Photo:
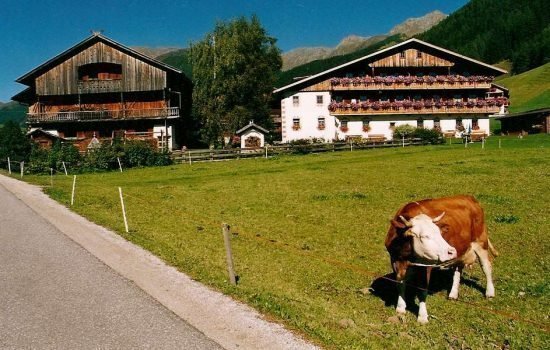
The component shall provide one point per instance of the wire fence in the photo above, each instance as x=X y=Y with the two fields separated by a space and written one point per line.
x=159 y=207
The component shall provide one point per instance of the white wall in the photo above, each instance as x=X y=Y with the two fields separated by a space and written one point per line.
x=308 y=111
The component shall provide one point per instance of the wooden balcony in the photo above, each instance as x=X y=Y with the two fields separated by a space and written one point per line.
x=99 y=115
x=99 y=86
x=328 y=86
x=422 y=110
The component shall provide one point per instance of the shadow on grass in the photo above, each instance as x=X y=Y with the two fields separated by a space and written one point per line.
x=385 y=287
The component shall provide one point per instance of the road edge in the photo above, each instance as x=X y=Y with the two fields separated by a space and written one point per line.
x=231 y=324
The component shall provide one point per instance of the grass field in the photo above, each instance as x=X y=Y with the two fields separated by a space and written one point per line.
x=529 y=90
x=308 y=237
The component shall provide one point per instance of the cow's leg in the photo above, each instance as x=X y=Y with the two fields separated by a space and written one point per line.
x=456 y=282
x=402 y=275
x=422 y=310
x=485 y=262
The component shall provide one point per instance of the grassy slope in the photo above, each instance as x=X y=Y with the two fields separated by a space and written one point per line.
x=308 y=235
x=12 y=111
x=529 y=90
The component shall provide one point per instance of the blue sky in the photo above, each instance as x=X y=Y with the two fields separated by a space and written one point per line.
x=33 y=31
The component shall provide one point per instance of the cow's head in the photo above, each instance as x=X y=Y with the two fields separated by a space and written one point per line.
x=428 y=243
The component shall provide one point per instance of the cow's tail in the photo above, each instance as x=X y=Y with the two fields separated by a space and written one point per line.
x=492 y=249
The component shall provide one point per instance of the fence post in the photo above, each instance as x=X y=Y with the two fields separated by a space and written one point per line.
x=74 y=187
x=351 y=145
x=229 y=254
x=266 y=152
x=499 y=143
x=483 y=143
x=189 y=157
x=403 y=140
x=65 y=169
x=51 y=177
x=123 y=210
x=9 y=166
x=22 y=167
x=119 y=164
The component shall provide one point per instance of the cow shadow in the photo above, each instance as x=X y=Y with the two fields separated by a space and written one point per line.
x=385 y=287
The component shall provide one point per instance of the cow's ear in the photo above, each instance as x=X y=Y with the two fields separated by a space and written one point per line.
x=397 y=224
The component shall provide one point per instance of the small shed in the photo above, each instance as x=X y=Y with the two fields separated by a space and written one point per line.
x=252 y=136
x=532 y=122
x=44 y=138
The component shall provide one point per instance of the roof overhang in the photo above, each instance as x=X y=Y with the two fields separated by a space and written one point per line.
x=27 y=78
x=531 y=113
x=381 y=52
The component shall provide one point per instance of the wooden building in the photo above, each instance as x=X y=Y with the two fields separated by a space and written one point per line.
x=532 y=122
x=100 y=88
x=412 y=82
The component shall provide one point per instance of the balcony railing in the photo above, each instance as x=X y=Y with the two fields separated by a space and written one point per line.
x=440 y=82
x=416 y=110
x=95 y=115
x=98 y=86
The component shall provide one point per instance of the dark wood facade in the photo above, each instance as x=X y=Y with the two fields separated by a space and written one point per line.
x=100 y=87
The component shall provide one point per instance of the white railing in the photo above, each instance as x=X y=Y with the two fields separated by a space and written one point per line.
x=170 y=112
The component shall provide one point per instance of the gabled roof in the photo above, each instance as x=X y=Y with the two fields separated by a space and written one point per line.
x=251 y=125
x=383 y=51
x=94 y=38
x=41 y=131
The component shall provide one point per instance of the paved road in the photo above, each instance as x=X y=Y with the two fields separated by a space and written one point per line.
x=54 y=294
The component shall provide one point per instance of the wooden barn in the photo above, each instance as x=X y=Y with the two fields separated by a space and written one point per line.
x=104 y=90
x=413 y=82
x=532 y=122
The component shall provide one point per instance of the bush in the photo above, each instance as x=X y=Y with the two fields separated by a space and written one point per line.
x=428 y=135
x=14 y=143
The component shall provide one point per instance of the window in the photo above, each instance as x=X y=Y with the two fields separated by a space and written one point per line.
x=475 y=124
x=296 y=123
x=362 y=98
x=418 y=54
x=437 y=124
x=295 y=101
x=420 y=123
x=392 y=125
x=402 y=55
x=319 y=99
x=100 y=71
x=344 y=126
x=366 y=125
x=321 y=123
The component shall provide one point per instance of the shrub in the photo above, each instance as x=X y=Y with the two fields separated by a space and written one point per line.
x=428 y=135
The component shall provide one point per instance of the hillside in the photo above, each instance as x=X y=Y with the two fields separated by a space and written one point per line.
x=493 y=31
x=178 y=59
x=318 y=66
x=12 y=111
x=352 y=43
x=529 y=90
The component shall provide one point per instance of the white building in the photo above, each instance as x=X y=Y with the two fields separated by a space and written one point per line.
x=413 y=83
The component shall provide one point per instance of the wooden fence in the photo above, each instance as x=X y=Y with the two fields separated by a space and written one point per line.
x=205 y=155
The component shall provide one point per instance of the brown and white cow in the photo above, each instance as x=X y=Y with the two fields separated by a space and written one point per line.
x=447 y=231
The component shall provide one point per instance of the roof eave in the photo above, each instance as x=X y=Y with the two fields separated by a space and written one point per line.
x=385 y=50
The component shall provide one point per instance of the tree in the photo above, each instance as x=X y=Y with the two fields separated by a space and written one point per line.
x=13 y=142
x=234 y=70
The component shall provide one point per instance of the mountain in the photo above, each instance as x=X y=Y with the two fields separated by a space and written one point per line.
x=528 y=90
x=410 y=27
x=12 y=111
x=154 y=52
x=413 y=26
x=314 y=67
x=178 y=59
x=493 y=31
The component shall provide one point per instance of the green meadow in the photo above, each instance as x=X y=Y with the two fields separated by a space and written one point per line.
x=308 y=237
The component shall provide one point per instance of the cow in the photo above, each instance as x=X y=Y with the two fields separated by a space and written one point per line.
x=445 y=232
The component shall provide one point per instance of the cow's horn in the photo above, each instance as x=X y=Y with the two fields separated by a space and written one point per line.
x=439 y=217
x=405 y=221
